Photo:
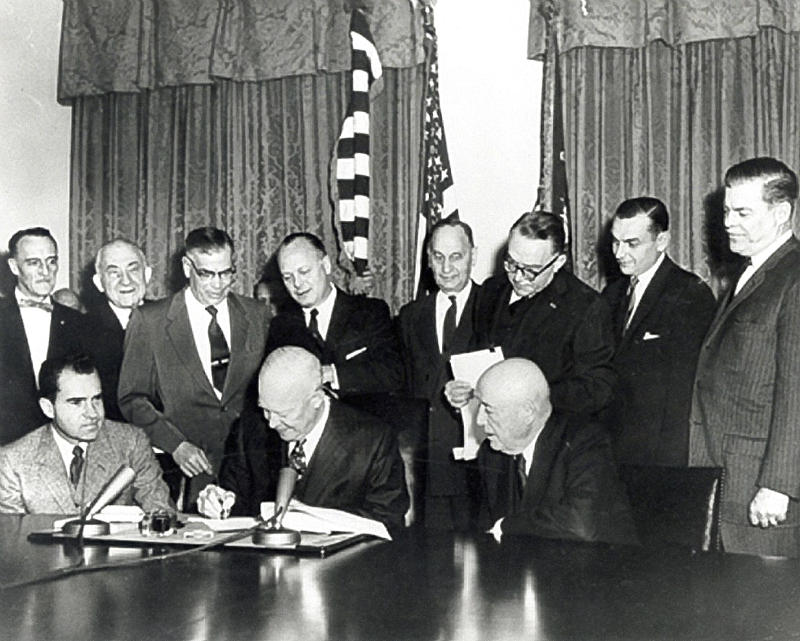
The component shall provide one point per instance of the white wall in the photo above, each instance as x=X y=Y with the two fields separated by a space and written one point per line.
x=491 y=99
x=34 y=171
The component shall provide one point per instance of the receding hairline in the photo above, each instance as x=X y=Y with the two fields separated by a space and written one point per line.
x=98 y=259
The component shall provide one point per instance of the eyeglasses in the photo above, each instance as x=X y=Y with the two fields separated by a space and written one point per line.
x=529 y=272
x=207 y=275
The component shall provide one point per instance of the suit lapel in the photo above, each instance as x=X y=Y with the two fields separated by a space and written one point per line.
x=544 y=454
x=179 y=331
x=426 y=333
x=540 y=307
x=328 y=455
x=98 y=467
x=16 y=343
x=463 y=334
x=53 y=474
x=339 y=318
x=239 y=331
x=652 y=294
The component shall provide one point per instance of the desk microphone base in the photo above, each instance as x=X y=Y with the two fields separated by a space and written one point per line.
x=91 y=527
x=276 y=537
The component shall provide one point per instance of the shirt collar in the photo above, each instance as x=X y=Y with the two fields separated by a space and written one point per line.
x=325 y=308
x=197 y=307
x=20 y=296
x=643 y=279
x=461 y=297
x=64 y=446
x=758 y=259
x=311 y=440
x=123 y=314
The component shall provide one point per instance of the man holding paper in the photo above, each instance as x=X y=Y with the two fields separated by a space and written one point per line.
x=345 y=459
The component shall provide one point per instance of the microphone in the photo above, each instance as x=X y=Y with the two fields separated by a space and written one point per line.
x=271 y=533
x=86 y=524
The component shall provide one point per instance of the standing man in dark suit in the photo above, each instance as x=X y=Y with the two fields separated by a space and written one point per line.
x=541 y=312
x=346 y=459
x=545 y=472
x=121 y=275
x=746 y=406
x=190 y=360
x=432 y=328
x=660 y=314
x=352 y=335
x=32 y=328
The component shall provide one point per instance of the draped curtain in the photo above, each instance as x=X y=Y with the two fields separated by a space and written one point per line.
x=226 y=113
x=659 y=98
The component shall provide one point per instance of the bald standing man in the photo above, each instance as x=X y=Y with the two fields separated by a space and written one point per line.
x=543 y=472
x=346 y=459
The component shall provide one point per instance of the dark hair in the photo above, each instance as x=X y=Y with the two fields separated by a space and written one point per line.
x=307 y=236
x=780 y=182
x=52 y=369
x=206 y=239
x=452 y=221
x=41 y=232
x=541 y=225
x=653 y=208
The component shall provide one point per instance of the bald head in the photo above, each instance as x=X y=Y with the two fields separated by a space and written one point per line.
x=515 y=404
x=290 y=391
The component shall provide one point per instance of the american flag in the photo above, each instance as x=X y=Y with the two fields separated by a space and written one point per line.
x=352 y=149
x=437 y=197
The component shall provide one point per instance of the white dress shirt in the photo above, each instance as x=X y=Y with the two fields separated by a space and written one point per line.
x=37 y=332
x=123 y=314
x=443 y=304
x=756 y=260
x=643 y=280
x=199 y=319
x=324 y=313
x=65 y=448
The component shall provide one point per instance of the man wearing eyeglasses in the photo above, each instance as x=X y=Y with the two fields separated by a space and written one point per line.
x=539 y=311
x=190 y=360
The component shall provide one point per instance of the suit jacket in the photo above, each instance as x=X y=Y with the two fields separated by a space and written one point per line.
x=360 y=342
x=655 y=362
x=746 y=406
x=105 y=341
x=572 y=489
x=33 y=478
x=162 y=385
x=427 y=371
x=355 y=467
x=19 y=396
x=565 y=329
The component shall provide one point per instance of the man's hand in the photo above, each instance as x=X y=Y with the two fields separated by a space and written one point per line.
x=215 y=502
x=768 y=507
x=191 y=459
x=458 y=393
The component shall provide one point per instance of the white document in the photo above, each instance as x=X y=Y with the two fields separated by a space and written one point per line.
x=469 y=367
x=323 y=520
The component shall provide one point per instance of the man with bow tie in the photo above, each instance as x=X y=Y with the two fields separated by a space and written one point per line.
x=32 y=329
x=660 y=314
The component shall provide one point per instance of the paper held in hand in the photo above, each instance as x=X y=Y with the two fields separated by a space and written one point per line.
x=323 y=520
x=469 y=367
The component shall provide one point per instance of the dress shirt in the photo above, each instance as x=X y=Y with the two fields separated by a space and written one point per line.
x=324 y=313
x=65 y=448
x=37 y=332
x=199 y=319
x=756 y=260
x=123 y=314
x=643 y=280
x=443 y=304
x=311 y=440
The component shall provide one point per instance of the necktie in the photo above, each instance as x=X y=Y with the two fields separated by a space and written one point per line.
x=45 y=305
x=297 y=459
x=449 y=325
x=522 y=477
x=220 y=354
x=76 y=466
x=746 y=266
x=313 y=327
x=631 y=296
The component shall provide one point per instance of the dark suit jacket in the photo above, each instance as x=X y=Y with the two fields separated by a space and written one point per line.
x=105 y=341
x=565 y=329
x=19 y=397
x=357 y=322
x=572 y=490
x=746 y=406
x=427 y=371
x=163 y=388
x=655 y=362
x=356 y=467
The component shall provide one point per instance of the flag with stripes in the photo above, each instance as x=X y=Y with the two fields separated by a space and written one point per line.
x=437 y=197
x=352 y=149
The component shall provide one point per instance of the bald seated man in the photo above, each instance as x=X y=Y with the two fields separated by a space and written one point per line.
x=545 y=473
x=346 y=459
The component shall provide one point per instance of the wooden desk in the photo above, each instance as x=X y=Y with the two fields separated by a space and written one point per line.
x=425 y=587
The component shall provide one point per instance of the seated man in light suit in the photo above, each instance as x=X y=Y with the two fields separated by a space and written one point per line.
x=544 y=472
x=61 y=467
x=347 y=460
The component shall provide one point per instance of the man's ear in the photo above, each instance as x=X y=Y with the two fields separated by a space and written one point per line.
x=326 y=264
x=12 y=265
x=148 y=273
x=662 y=240
x=560 y=262
x=47 y=407
x=98 y=283
x=187 y=268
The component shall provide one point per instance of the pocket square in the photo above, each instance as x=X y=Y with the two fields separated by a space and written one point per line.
x=355 y=353
x=649 y=337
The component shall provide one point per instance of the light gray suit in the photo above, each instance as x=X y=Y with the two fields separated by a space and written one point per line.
x=34 y=480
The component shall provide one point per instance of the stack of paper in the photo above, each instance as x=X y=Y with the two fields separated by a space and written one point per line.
x=323 y=520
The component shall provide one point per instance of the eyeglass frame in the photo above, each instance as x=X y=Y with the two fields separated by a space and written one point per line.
x=207 y=275
x=513 y=267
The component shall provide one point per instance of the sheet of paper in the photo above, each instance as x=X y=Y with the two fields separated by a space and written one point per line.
x=469 y=367
x=306 y=518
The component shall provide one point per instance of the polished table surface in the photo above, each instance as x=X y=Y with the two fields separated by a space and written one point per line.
x=421 y=587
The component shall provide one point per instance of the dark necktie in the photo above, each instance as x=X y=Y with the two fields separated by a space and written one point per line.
x=631 y=298
x=76 y=466
x=522 y=476
x=735 y=282
x=220 y=354
x=297 y=459
x=313 y=327
x=449 y=325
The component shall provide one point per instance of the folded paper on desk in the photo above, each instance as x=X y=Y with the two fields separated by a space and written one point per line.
x=469 y=367
x=323 y=520
x=110 y=514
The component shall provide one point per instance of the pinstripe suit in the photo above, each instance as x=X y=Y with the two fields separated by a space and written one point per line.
x=746 y=402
